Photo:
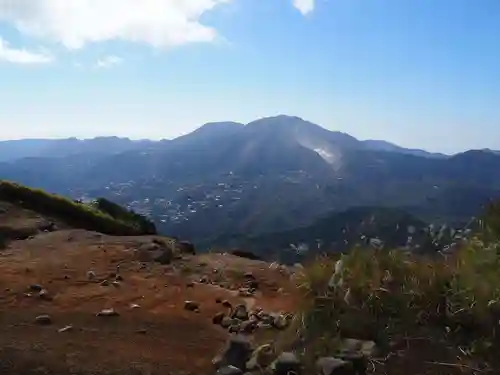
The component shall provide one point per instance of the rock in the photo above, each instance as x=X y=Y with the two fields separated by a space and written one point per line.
x=261 y=358
x=119 y=278
x=43 y=320
x=235 y=328
x=116 y=284
x=91 y=275
x=236 y=353
x=226 y=303
x=287 y=362
x=108 y=313
x=191 y=305
x=65 y=329
x=334 y=366
x=142 y=331
x=104 y=283
x=204 y=280
x=163 y=256
x=248 y=326
x=44 y=294
x=229 y=370
x=186 y=247
x=35 y=288
x=134 y=306
x=217 y=319
x=240 y=312
x=226 y=322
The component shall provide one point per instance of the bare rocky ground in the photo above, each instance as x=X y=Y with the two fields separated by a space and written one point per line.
x=79 y=302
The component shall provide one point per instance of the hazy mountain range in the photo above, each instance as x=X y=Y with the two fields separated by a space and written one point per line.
x=270 y=175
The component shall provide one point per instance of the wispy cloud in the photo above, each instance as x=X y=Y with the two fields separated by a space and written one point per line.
x=108 y=62
x=304 y=6
x=22 y=56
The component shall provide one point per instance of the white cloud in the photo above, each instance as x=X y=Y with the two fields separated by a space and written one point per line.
x=108 y=62
x=22 y=56
x=75 y=23
x=304 y=6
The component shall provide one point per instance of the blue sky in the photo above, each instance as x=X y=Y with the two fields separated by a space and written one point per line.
x=420 y=73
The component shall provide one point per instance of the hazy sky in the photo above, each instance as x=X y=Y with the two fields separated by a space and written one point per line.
x=420 y=73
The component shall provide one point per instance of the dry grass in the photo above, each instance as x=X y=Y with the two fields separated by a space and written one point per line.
x=450 y=301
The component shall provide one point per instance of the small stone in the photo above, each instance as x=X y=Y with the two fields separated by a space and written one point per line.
x=35 y=288
x=229 y=370
x=91 y=275
x=240 y=312
x=226 y=303
x=43 y=320
x=105 y=283
x=287 y=362
x=235 y=328
x=236 y=353
x=248 y=326
x=226 y=322
x=217 y=319
x=134 y=306
x=108 y=313
x=333 y=366
x=189 y=284
x=116 y=284
x=191 y=305
x=44 y=294
x=142 y=331
x=119 y=278
x=204 y=280
x=65 y=329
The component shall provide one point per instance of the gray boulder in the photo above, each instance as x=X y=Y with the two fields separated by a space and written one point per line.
x=286 y=363
x=236 y=353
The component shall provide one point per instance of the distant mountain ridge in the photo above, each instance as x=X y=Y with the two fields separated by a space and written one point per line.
x=271 y=175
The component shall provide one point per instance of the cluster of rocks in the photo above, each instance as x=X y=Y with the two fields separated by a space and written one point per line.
x=239 y=319
x=239 y=357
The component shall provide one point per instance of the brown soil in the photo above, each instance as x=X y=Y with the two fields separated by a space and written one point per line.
x=160 y=337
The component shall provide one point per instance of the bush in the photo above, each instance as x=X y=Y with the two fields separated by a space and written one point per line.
x=76 y=214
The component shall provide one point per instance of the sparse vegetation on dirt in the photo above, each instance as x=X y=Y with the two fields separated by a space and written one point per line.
x=103 y=216
x=437 y=313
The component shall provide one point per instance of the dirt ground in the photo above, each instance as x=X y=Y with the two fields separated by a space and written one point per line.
x=159 y=337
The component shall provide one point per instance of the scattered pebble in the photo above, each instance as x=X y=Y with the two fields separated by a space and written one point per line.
x=43 y=320
x=191 y=305
x=65 y=329
x=108 y=313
